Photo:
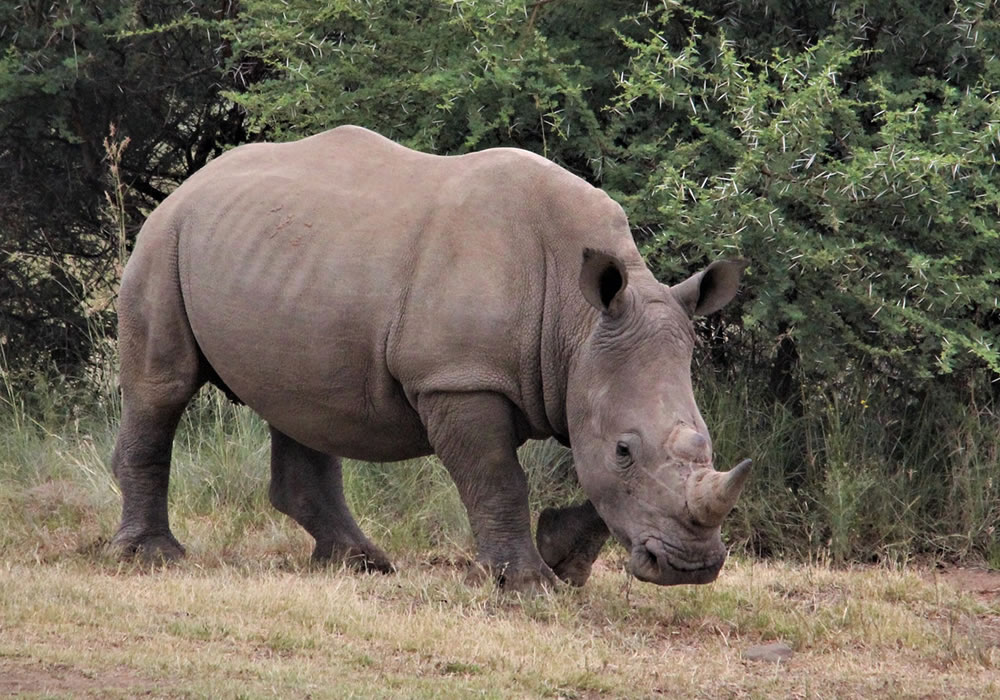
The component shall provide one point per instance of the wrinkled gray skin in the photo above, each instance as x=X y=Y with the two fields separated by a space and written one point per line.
x=375 y=303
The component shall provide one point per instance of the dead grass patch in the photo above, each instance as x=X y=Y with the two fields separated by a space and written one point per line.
x=82 y=626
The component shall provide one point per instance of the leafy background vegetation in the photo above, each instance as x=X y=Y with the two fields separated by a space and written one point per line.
x=848 y=150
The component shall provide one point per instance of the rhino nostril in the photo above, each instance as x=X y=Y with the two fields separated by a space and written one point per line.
x=656 y=552
x=643 y=563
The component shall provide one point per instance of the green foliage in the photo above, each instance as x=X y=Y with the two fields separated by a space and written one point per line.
x=865 y=199
x=847 y=151
x=858 y=477
x=69 y=71
x=440 y=76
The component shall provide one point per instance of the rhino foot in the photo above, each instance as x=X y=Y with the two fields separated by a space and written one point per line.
x=569 y=540
x=521 y=579
x=574 y=570
x=528 y=580
x=366 y=558
x=149 y=549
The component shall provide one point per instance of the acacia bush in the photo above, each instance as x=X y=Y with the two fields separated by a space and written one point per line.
x=866 y=200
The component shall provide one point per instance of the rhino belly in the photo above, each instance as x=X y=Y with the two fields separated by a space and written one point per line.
x=334 y=409
x=294 y=321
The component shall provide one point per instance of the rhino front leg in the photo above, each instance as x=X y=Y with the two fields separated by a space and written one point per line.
x=474 y=436
x=569 y=540
x=308 y=486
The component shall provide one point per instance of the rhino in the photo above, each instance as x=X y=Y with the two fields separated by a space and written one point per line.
x=376 y=303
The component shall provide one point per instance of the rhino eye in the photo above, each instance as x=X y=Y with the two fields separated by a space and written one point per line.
x=623 y=454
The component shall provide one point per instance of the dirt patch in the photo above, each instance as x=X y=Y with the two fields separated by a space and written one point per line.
x=982 y=583
x=21 y=676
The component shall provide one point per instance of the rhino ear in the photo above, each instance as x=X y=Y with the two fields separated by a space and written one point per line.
x=708 y=291
x=603 y=279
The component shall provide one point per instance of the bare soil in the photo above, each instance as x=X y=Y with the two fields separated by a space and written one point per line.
x=981 y=583
x=23 y=676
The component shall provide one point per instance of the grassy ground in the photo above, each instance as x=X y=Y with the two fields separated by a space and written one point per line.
x=264 y=625
x=245 y=616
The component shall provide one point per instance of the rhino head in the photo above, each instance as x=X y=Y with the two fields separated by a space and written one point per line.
x=642 y=451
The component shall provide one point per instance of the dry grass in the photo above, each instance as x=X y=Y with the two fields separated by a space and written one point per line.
x=254 y=622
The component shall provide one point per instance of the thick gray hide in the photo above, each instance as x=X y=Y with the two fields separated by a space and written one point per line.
x=372 y=302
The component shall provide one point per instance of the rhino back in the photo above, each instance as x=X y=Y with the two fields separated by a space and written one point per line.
x=331 y=281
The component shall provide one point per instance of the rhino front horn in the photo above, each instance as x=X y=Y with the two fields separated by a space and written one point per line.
x=712 y=494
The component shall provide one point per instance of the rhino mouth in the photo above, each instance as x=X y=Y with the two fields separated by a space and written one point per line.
x=656 y=561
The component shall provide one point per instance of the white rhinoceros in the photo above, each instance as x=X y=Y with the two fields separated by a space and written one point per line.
x=376 y=303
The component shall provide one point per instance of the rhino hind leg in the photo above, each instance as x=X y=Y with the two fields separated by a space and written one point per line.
x=153 y=400
x=475 y=437
x=307 y=486
x=569 y=540
x=161 y=369
x=141 y=464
